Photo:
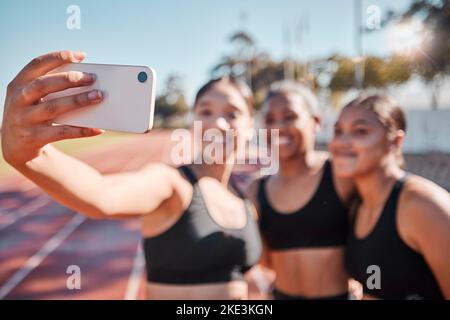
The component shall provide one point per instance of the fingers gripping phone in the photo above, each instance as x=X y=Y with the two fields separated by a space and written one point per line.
x=128 y=98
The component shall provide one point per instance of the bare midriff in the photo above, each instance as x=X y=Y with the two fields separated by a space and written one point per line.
x=310 y=273
x=233 y=290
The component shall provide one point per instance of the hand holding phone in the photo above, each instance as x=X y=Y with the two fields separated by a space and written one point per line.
x=32 y=107
x=128 y=98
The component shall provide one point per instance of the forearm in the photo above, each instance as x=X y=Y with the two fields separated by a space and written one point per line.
x=68 y=180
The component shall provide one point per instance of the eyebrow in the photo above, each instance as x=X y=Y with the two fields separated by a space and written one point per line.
x=203 y=104
x=357 y=122
x=233 y=106
x=284 y=111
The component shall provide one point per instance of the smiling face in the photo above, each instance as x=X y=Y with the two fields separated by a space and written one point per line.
x=362 y=143
x=290 y=114
x=225 y=114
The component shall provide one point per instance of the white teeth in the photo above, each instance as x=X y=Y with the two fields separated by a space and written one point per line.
x=284 y=140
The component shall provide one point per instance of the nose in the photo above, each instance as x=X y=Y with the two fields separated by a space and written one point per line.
x=341 y=140
x=222 y=124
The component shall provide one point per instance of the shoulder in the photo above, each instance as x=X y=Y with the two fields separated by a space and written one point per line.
x=423 y=211
x=251 y=192
x=345 y=188
x=424 y=197
x=169 y=176
x=252 y=189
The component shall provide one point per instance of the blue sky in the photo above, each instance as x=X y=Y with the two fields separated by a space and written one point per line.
x=175 y=36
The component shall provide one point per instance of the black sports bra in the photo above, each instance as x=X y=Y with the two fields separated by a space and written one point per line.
x=402 y=272
x=322 y=222
x=196 y=249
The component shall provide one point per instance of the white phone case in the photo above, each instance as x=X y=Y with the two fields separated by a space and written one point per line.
x=127 y=106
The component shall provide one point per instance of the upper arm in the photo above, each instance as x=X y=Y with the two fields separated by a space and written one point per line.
x=428 y=227
x=139 y=192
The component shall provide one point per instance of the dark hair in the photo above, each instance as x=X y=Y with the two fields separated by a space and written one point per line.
x=388 y=112
x=286 y=86
x=240 y=86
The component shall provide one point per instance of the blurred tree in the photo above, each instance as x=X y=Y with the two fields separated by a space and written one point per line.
x=342 y=78
x=240 y=62
x=337 y=74
x=379 y=73
x=172 y=102
x=246 y=61
x=433 y=59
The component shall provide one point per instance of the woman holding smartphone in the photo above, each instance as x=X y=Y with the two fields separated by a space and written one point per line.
x=303 y=207
x=400 y=236
x=200 y=235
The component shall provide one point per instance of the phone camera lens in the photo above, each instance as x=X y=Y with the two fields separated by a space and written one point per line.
x=142 y=76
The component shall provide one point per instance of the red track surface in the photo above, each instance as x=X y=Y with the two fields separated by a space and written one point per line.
x=40 y=239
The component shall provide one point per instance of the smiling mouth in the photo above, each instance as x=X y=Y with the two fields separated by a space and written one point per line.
x=284 y=140
x=343 y=154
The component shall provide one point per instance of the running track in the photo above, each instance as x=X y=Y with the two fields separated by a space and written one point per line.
x=40 y=239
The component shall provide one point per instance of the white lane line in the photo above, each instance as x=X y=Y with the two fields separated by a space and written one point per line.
x=132 y=291
x=23 y=212
x=39 y=256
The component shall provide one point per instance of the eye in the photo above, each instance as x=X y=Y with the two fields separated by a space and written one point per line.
x=232 y=114
x=291 y=117
x=360 y=131
x=268 y=120
x=337 y=131
x=205 y=113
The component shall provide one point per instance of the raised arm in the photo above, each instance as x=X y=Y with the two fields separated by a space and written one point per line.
x=27 y=132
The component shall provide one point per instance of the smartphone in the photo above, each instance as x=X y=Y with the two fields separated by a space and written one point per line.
x=128 y=98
